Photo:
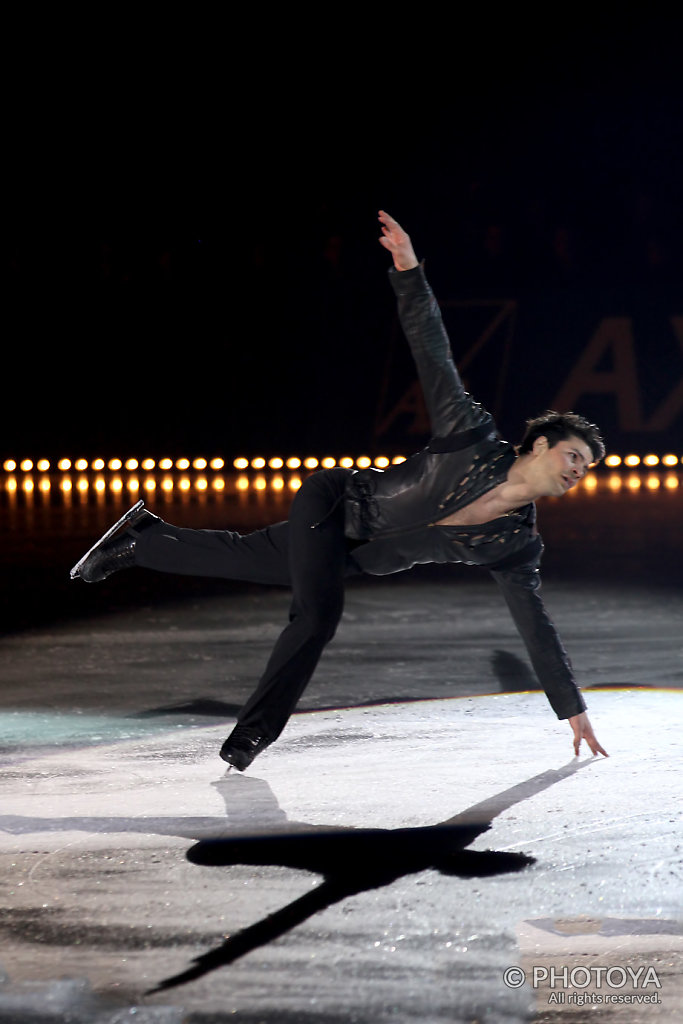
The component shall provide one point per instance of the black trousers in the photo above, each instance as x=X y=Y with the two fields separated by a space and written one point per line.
x=309 y=553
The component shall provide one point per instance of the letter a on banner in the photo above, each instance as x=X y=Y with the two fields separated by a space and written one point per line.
x=670 y=409
x=615 y=335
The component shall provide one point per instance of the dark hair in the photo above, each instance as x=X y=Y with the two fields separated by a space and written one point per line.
x=557 y=426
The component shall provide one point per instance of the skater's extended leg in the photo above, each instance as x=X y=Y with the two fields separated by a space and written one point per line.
x=258 y=557
x=318 y=566
x=147 y=541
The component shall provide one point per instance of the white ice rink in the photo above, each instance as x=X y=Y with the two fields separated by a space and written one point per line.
x=100 y=903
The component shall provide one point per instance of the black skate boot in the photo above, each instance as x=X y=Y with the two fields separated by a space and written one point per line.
x=116 y=548
x=242 y=746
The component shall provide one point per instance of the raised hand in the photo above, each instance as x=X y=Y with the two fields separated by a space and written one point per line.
x=397 y=241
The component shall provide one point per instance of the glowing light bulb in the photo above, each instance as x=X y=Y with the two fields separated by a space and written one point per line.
x=651 y=460
x=242 y=483
x=81 y=465
x=346 y=462
x=26 y=465
x=293 y=462
x=613 y=460
x=114 y=465
x=311 y=462
x=241 y=463
x=166 y=464
x=258 y=463
x=182 y=464
x=132 y=464
x=217 y=464
x=632 y=460
x=260 y=483
x=276 y=462
x=64 y=464
x=363 y=462
x=328 y=462
x=199 y=464
x=148 y=464
x=9 y=465
x=43 y=465
x=381 y=461
x=295 y=483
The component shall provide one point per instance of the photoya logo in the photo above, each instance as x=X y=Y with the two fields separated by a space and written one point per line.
x=597 y=977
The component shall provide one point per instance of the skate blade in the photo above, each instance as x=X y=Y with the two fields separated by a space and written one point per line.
x=132 y=513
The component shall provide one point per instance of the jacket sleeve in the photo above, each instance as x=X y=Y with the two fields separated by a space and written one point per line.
x=521 y=590
x=449 y=406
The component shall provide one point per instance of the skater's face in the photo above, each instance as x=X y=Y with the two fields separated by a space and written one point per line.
x=560 y=467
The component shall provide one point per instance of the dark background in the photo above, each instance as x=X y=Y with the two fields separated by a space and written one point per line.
x=191 y=255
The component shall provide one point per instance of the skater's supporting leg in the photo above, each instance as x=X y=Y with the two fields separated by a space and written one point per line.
x=318 y=565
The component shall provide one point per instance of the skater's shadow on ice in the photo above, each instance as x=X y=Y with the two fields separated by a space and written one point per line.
x=351 y=860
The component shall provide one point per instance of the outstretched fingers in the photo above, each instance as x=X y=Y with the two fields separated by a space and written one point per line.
x=397 y=241
x=391 y=229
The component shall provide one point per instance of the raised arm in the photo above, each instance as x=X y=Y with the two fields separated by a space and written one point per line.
x=451 y=409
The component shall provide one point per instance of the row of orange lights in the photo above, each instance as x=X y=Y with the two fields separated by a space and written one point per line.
x=614 y=482
x=613 y=461
x=97 y=465
x=634 y=482
x=275 y=463
x=133 y=484
x=200 y=464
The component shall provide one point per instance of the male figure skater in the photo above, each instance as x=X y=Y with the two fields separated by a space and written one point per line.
x=466 y=497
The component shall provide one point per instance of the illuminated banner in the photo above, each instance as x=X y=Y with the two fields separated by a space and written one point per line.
x=620 y=367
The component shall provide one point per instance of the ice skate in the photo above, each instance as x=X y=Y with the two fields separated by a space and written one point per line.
x=242 y=746
x=116 y=548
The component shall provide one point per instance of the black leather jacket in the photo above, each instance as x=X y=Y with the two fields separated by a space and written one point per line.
x=392 y=514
